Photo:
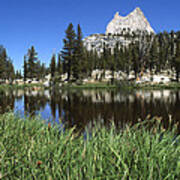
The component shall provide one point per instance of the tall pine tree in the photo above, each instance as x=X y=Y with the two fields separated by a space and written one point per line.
x=78 y=67
x=59 y=66
x=153 y=56
x=3 y=60
x=25 y=69
x=177 y=60
x=32 y=62
x=68 y=50
x=53 y=66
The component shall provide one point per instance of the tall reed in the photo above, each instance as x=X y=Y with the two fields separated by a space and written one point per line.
x=32 y=149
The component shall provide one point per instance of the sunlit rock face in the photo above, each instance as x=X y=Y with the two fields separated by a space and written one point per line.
x=97 y=42
x=132 y=22
x=116 y=31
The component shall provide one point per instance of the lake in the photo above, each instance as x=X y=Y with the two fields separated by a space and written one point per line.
x=87 y=108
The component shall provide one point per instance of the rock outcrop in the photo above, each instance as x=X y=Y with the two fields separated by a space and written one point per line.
x=97 y=42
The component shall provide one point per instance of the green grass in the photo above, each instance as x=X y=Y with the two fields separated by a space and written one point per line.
x=16 y=86
x=130 y=85
x=31 y=149
x=124 y=85
x=172 y=85
x=98 y=85
x=102 y=85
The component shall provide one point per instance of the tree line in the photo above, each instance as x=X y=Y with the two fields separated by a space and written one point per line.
x=6 y=67
x=144 y=52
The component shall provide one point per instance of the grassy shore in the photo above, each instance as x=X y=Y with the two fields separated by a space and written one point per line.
x=32 y=149
x=122 y=85
x=101 y=85
x=19 y=86
x=95 y=85
x=172 y=85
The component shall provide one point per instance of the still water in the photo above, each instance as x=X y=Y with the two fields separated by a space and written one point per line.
x=86 y=108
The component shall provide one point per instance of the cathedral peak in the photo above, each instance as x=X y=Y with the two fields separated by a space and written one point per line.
x=133 y=21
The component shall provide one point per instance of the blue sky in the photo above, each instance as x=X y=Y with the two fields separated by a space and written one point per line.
x=42 y=22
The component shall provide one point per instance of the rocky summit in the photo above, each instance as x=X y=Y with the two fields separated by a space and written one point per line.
x=117 y=30
x=132 y=22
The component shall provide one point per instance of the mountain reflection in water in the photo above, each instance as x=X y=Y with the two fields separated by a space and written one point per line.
x=86 y=108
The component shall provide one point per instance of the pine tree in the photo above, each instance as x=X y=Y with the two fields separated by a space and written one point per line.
x=135 y=59
x=78 y=63
x=172 y=48
x=3 y=60
x=90 y=63
x=87 y=63
x=177 y=60
x=18 y=74
x=32 y=61
x=59 y=66
x=104 y=60
x=112 y=65
x=166 y=49
x=42 y=71
x=125 y=59
x=95 y=60
x=153 y=56
x=116 y=55
x=68 y=50
x=160 y=45
x=53 y=66
x=10 y=74
x=38 y=70
x=25 y=69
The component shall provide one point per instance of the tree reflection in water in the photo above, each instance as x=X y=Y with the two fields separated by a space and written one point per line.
x=86 y=108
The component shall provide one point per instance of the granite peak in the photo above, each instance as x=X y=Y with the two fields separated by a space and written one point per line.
x=117 y=29
x=132 y=22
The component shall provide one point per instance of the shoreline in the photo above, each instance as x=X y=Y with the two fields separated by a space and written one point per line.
x=97 y=85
